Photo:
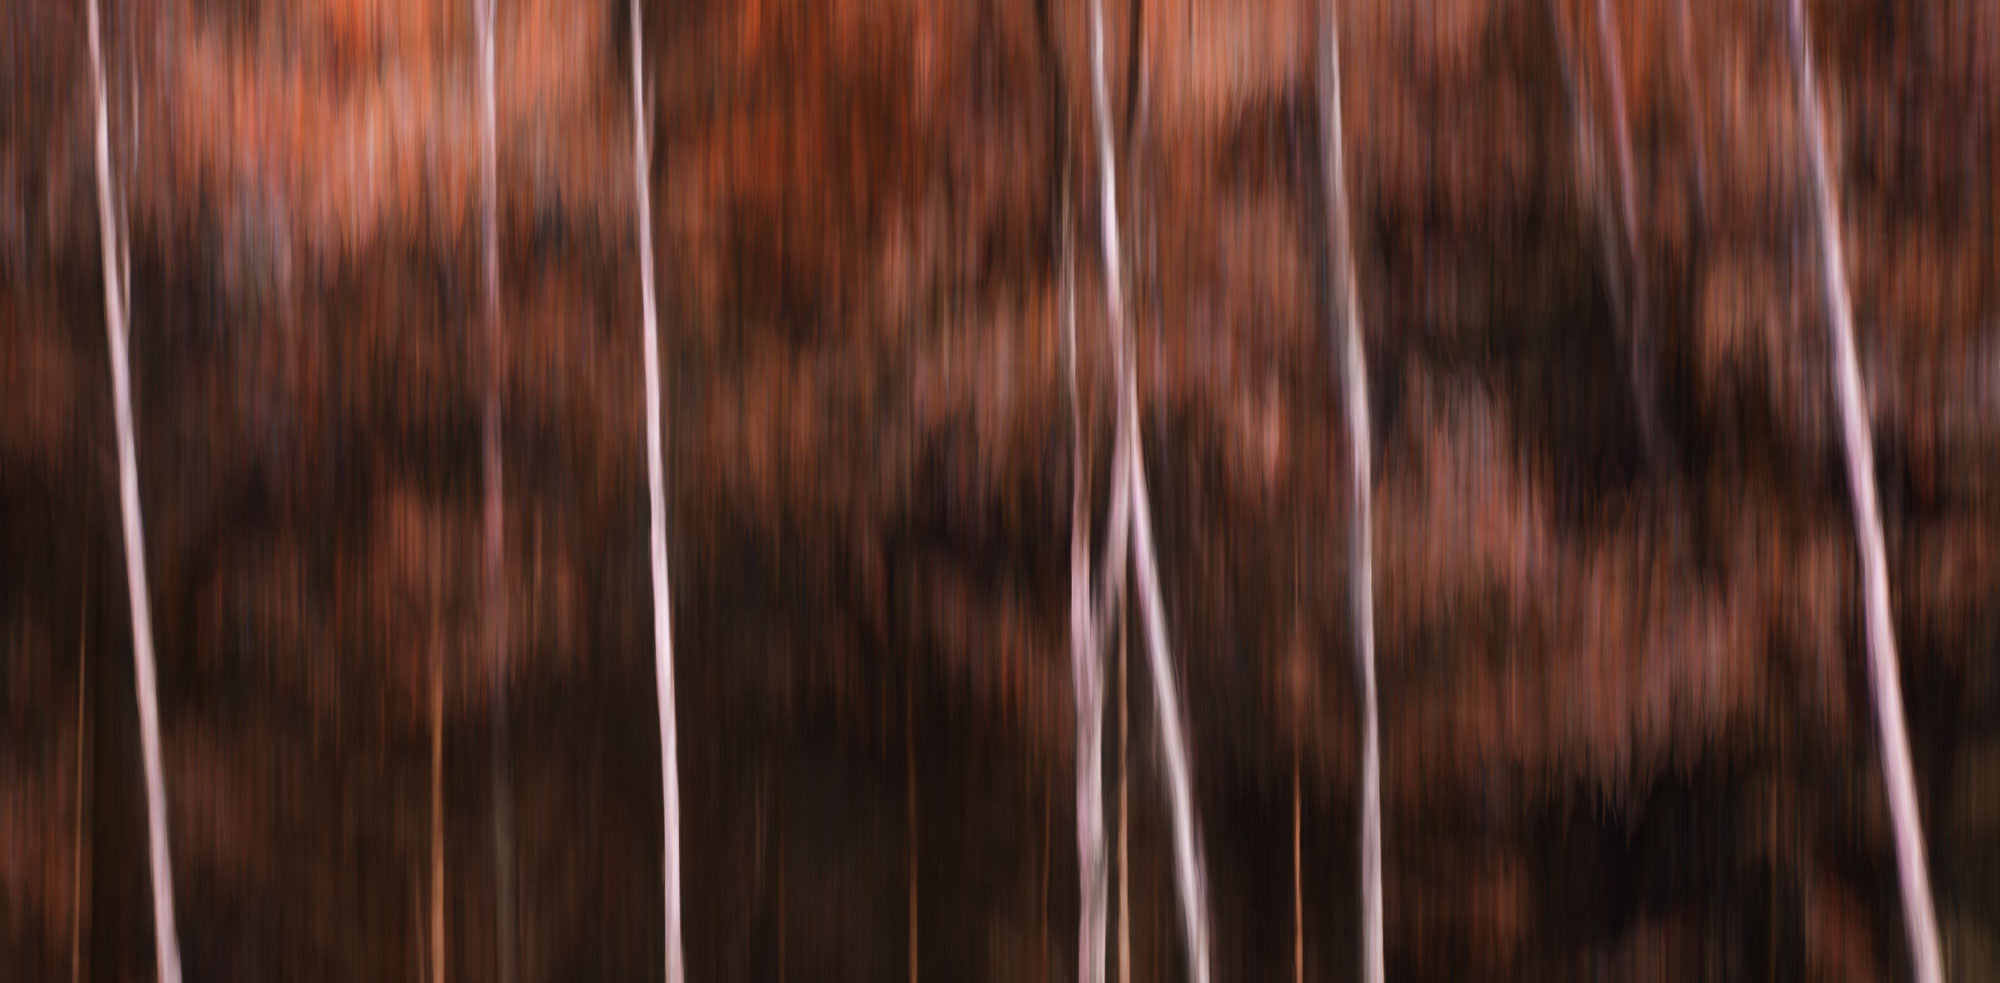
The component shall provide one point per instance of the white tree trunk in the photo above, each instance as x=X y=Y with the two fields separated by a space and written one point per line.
x=490 y=444
x=1084 y=675
x=1180 y=788
x=663 y=638
x=1361 y=578
x=1920 y=920
x=1129 y=493
x=117 y=307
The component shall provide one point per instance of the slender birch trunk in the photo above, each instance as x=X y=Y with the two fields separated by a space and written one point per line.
x=1361 y=580
x=1139 y=526
x=494 y=588
x=117 y=308
x=1084 y=668
x=1920 y=920
x=1180 y=790
x=663 y=639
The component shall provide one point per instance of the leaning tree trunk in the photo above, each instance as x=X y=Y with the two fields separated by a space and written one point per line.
x=1361 y=565
x=1137 y=523
x=494 y=589
x=1085 y=677
x=117 y=309
x=1920 y=920
x=663 y=636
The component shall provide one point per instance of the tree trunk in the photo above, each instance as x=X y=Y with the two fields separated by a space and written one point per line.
x=1138 y=524
x=1920 y=920
x=663 y=636
x=117 y=309
x=1361 y=562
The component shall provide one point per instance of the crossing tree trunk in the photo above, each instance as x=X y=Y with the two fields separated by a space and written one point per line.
x=1919 y=918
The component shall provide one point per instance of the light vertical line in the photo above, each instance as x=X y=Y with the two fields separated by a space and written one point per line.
x=166 y=946
x=663 y=640
x=1180 y=788
x=1187 y=859
x=1084 y=674
x=494 y=588
x=1139 y=524
x=1920 y=920
x=1355 y=381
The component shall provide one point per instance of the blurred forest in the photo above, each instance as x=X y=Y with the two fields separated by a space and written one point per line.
x=1626 y=728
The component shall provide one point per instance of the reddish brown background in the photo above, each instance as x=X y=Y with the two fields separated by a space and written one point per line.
x=1625 y=724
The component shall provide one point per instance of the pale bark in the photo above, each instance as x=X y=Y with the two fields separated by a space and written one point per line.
x=1180 y=788
x=1133 y=524
x=1129 y=469
x=494 y=588
x=117 y=308
x=1361 y=563
x=1084 y=670
x=663 y=640
x=1920 y=919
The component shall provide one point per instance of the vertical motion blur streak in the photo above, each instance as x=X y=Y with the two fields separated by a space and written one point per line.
x=663 y=624
x=495 y=603
x=1180 y=794
x=1085 y=677
x=1110 y=490
x=1361 y=563
x=1884 y=672
x=117 y=311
